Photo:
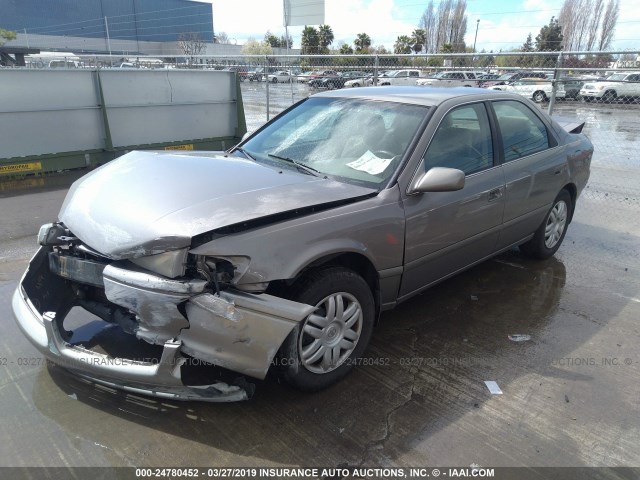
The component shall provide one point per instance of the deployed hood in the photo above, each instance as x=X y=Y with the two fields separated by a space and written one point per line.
x=150 y=202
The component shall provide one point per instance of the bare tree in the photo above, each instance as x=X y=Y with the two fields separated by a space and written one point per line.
x=446 y=25
x=221 y=38
x=458 y=25
x=608 y=26
x=583 y=23
x=596 y=15
x=191 y=44
x=428 y=24
x=444 y=12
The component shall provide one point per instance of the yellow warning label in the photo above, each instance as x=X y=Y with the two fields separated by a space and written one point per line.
x=21 y=167
x=21 y=183
x=188 y=146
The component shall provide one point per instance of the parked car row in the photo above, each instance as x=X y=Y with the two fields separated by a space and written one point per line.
x=536 y=85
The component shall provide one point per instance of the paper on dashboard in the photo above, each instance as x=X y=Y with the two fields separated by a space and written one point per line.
x=370 y=163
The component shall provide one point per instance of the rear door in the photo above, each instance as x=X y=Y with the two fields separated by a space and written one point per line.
x=447 y=231
x=534 y=168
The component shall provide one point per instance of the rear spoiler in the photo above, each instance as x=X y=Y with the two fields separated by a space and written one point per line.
x=569 y=124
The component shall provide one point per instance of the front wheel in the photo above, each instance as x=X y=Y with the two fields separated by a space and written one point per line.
x=275 y=80
x=539 y=97
x=323 y=347
x=551 y=232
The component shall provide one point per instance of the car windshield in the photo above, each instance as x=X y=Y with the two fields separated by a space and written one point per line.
x=352 y=140
x=506 y=76
x=617 y=76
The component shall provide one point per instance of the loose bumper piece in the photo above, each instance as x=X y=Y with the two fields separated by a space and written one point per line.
x=160 y=379
x=236 y=330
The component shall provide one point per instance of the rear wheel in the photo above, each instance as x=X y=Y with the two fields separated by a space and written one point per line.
x=322 y=348
x=551 y=232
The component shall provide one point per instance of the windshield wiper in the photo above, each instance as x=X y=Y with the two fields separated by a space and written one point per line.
x=245 y=153
x=301 y=166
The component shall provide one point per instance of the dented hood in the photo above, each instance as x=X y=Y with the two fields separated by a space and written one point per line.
x=149 y=202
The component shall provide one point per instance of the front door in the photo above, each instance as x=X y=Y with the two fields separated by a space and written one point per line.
x=447 y=231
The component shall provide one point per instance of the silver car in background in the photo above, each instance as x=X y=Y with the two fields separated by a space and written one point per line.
x=281 y=253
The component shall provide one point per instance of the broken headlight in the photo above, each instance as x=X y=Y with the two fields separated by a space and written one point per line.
x=52 y=234
x=170 y=264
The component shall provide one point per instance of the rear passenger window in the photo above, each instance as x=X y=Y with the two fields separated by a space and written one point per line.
x=523 y=133
x=462 y=141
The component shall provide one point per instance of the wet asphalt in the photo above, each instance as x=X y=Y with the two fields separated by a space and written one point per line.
x=570 y=392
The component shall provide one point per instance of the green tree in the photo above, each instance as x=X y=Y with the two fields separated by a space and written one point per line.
x=362 y=43
x=271 y=39
x=418 y=39
x=345 y=49
x=549 y=40
x=283 y=40
x=309 y=41
x=403 y=45
x=550 y=37
x=277 y=42
x=524 y=60
x=325 y=38
x=6 y=35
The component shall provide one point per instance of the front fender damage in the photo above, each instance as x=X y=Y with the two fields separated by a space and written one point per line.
x=239 y=331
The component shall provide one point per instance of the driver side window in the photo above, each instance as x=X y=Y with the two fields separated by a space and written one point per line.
x=462 y=141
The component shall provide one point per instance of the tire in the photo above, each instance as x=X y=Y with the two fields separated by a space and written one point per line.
x=539 y=96
x=609 y=96
x=305 y=358
x=355 y=85
x=551 y=232
x=330 y=86
x=274 y=80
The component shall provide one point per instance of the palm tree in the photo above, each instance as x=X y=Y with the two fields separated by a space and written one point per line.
x=362 y=43
x=325 y=37
x=418 y=38
x=346 y=49
x=309 y=41
x=402 y=45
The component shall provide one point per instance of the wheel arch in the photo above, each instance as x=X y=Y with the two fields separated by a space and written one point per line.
x=573 y=193
x=355 y=261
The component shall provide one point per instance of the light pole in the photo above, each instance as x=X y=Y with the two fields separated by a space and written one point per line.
x=474 y=42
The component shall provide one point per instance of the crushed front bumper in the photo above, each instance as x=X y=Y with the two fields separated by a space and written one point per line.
x=239 y=331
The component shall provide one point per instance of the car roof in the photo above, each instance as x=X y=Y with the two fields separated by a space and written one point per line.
x=416 y=95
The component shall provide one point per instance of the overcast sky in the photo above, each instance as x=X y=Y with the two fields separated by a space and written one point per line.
x=503 y=24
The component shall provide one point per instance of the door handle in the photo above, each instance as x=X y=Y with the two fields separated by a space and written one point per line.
x=495 y=194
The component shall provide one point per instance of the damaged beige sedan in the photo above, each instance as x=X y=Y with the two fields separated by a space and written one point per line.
x=280 y=254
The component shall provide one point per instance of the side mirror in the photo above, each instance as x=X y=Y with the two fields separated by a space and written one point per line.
x=438 y=179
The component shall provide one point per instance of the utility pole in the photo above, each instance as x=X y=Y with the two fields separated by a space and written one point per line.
x=106 y=27
x=474 y=42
